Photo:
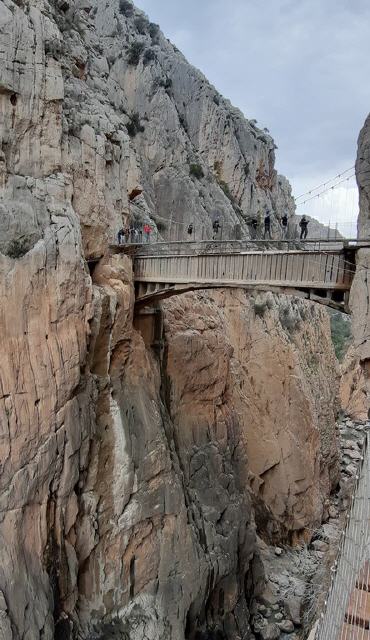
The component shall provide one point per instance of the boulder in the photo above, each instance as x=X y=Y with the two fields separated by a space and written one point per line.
x=286 y=626
x=271 y=632
x=293 y=607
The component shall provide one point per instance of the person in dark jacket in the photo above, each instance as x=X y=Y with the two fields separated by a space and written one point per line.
x=304 y=227
x=267 y=225
x=216 y=228
x=254 y=228
x=284 y=225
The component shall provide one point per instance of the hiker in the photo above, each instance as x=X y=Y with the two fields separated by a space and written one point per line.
x=284 y=225
x=120 y=236
x=267 y=224
x=134 y=234
x=147 y=231
x=304 y=227
x=254 y=228
x=216 y=227
x=190 y=230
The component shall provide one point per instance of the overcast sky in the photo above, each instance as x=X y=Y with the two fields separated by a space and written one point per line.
x=300 y=67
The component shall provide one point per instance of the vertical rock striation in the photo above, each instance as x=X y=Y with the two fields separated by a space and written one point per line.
x=361 y=289
x=131 y=486
x=262 y=367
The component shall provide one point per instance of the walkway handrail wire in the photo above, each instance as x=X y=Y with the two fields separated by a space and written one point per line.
x=333 y=616
x=323 y=184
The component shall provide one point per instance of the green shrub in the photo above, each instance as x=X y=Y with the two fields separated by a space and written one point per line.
x=166 y=83
x=134 y=53
x=54 y=48
x=196 y=171
x=142 y=25
x=149 y=55
x=126 y=8
x=290 y=319
x=226 y=190
x=270 y=300
x=134 y=126
x=341 y=333
x=18 y=248
x=260 y=306
x=154 y=32
x=217 y=167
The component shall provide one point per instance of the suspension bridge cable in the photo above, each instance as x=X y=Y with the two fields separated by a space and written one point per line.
x=317 y=195
x=323 y=184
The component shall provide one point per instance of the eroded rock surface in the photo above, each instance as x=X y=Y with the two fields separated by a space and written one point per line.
x=360 y=290
x=255 y=365
x=353 y=391
x=131 y=486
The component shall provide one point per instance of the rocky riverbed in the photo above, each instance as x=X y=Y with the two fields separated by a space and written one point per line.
x=298 y=579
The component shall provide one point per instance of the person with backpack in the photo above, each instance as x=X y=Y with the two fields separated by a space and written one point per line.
x=304 y=227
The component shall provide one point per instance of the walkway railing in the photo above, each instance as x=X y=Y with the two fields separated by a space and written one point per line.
x=347 y=609
x=321 y=270
x=173 y=231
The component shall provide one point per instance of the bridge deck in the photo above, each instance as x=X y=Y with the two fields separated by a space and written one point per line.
x=316 y=271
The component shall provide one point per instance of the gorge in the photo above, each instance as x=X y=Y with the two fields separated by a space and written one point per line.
x=142 y=487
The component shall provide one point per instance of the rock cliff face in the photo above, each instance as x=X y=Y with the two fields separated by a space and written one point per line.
x=131 y=484
x=360 y=291
x=95 y=97
x=353 y=391
x=254 y=363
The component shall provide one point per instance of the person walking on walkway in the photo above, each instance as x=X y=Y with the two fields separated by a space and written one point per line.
x=304 y=227
x=147 y=231
x=120 y=236
x=216 y=227
x=267 y=225
x=254 y=228
x=284 y=225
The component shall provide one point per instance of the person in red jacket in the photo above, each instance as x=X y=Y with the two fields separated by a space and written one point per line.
x=147 y=231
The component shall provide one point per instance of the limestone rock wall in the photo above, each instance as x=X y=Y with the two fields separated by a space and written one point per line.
x=264 y=367
x=360 y=290
x=130 y=490
x=97 y=93
x=353 y=392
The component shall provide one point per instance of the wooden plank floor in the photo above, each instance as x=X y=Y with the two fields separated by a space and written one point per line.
x=358 y=610
x=357 y=625
x=353 y=632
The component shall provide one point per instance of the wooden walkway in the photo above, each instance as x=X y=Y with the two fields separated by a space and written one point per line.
x=346 y=614
x=323 y=276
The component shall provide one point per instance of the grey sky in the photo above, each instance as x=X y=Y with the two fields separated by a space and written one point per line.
x=300 y=67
